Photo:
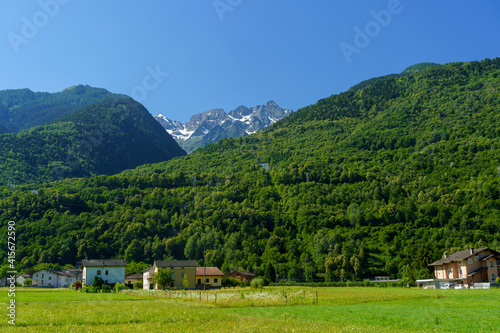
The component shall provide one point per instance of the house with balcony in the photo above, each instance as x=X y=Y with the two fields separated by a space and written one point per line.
x=469 y=267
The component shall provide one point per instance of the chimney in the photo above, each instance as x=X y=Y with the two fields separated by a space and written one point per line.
x=471 y=250
x=445 y=254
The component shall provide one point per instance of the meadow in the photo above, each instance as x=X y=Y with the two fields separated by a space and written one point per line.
x=285 y=309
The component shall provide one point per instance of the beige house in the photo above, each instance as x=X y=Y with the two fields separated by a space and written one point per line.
x=468 y=267
x=179 y=269
x=212 y=275
x=133 y=278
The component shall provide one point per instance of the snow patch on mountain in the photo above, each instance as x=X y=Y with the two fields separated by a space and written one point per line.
x=215 y=124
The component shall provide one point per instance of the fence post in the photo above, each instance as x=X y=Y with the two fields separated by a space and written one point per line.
x=215 y=298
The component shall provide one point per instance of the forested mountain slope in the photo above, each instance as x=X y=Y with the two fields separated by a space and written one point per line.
x=21 y=109
x=105 y=137
x=378 y=181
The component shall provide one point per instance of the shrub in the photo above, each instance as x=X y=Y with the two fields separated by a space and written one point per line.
x=27 y=282
x=106 y=289
x=71 y=286
x=138 y=285
x=257 y=283
x=497 y=280
x=78 y=285
x=228 y=282
x=120 y=286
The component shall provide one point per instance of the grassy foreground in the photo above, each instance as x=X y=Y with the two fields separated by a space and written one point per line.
x=337 y=310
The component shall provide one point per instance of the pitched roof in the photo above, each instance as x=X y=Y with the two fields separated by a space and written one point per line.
x=104 y=262
x=212 y=271
x=149 y=269
x=460 y=255
x=243 y=273
x=134 y=276
x=477 y=271
x=54 y=272
x=176 y=263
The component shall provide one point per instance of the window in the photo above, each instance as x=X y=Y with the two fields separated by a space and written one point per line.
x=460 y=273
x=50 y=277
x=98 y=272
x=476 y=258
x=106 y=272
x=199 y=281
x=172 y=275
x=492 y=276
x=492 y=264
x=42 y=275
x=449 y=271
x=182 y=275
x=483 y=255
x=50 y=284
x=215 y=280
x=470 y=261
x=208 y=280
x=460 y=262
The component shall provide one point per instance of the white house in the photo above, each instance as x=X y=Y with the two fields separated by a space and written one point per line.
x=112 y=271
x=21 y=278
x=50 y=278
x=147 y=276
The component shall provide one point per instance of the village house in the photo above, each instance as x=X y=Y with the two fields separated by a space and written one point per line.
x=21 y=278
x=147 y=277
x=112 y=271
x=74 y=271
x=52 y=279
x=211 y=275
x=133 y=278
x=468 y=267
x=242 y=276
x=178 y=268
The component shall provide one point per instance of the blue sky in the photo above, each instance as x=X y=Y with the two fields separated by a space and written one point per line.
x=182 y=57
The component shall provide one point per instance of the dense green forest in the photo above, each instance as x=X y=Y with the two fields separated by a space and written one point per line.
x=381 y=180
x=111 y=134
x=21 y=109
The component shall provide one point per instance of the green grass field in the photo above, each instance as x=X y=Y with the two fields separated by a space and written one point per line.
x=246 y=310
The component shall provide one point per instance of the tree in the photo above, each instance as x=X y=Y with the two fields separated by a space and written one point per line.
x=163 y=278
x=98 y=282
x=185 y=282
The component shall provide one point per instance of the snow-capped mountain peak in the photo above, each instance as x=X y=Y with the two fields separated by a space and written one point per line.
x=215 y=124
